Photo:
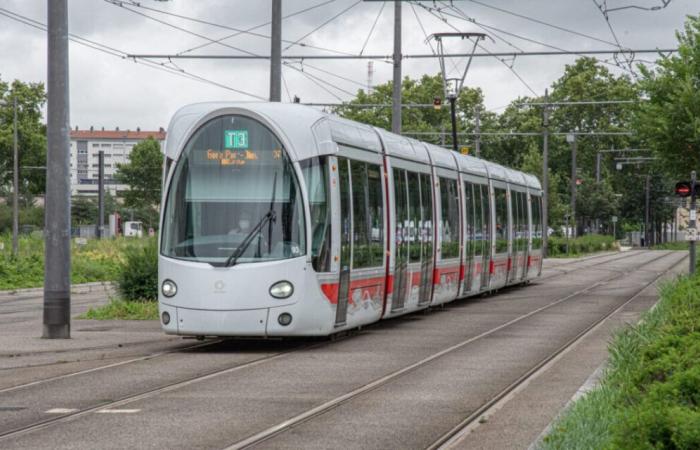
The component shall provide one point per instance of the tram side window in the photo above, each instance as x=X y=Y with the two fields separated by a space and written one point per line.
x=469 y=215
x=414 y=217
x=536 y=222
x=478 y=220
x=450 y=218
x=501 y=220
x=426 y=229
x=315 y=172
x=367 y=215
x=486 y=215
x=401 y=213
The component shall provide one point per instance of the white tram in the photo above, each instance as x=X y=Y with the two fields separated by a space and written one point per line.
x=280 y=220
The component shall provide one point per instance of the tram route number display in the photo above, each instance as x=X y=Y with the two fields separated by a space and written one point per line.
x=236 y=139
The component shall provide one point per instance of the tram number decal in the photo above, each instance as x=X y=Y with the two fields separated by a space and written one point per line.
x=236 y=139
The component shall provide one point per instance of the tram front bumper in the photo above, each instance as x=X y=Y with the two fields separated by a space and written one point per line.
x=199 y=322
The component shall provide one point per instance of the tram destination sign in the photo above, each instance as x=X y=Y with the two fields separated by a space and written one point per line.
x=236 y=139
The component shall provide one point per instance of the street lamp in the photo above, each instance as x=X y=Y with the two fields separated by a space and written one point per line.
x=15 y=179
x=571 y=139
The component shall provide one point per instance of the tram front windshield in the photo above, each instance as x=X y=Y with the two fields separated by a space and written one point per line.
x=234 y=192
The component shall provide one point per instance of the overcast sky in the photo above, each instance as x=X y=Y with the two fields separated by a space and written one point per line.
x=107 y=91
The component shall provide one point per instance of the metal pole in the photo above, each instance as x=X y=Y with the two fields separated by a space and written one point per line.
x=276 y=52
x=453 y=114
x=646 y=212
x=57 y=227
x=396 y=97
x=477 y=138
x=15 y=185
x=545 y=173
x=598 y=158
x=573 y=188
x=101 y=195
x=692 y=224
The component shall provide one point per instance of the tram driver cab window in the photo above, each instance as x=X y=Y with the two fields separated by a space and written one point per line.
x=234 y=191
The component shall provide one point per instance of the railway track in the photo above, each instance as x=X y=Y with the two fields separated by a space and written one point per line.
x=287 y=425
x=290 y=423
x=217 y=341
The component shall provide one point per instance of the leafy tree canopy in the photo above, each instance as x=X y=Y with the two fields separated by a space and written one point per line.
x=143 y=174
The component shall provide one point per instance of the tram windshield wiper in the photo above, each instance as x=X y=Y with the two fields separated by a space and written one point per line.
x=269 y=217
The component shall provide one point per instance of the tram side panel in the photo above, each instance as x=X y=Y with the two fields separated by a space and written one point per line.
x=536 y=232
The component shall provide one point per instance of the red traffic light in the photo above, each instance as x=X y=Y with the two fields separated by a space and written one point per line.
x=683 y=189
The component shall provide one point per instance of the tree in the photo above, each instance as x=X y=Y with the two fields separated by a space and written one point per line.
x=670 y=120
x=143 y=176
x=429 y=120
x=31 y=133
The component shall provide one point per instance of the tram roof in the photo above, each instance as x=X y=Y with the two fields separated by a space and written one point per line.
x=307 y=132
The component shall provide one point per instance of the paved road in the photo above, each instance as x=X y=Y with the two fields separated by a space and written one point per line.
x=402 y=383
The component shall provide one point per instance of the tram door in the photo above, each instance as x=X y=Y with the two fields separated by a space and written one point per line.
x=524 y=227
x=345 y=242
x=401 y=236
x=471 y=263
x=426 y=240
x=482 y=196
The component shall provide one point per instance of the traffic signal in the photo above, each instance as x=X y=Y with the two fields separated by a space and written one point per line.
x=437 y=103
x=683 y=189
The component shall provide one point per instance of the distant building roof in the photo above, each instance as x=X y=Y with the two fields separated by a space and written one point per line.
x=117 y=134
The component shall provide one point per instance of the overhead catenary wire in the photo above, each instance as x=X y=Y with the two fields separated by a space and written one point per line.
x=123 y=55
x=227 y=27
x=371 y=30
x=297 y=42
x=184 y=30
x=542 y=22
x=510 y=67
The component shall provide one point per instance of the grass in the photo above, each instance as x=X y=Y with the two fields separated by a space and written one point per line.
x=580 y=246
x=678 y=245
x=123 y=310
x=649 y=397
x=98 y=260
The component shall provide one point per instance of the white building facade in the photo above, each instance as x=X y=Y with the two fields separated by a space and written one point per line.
x=84 y=157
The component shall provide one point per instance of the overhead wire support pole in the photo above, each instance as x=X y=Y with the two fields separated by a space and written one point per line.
x=56 y=318
x=397 y=57
x=477 y=137
x=276 y=52
x=101 y=194
x=693 y=219
x=15 y=182
x=545 y=173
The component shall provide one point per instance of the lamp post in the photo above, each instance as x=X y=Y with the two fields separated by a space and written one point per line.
x=15 y=178
x=571 y=139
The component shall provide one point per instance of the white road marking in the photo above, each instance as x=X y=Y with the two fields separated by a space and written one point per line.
x=117 y=411
x=61 y=410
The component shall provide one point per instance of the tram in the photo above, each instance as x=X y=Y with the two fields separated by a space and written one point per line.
x=281 y=220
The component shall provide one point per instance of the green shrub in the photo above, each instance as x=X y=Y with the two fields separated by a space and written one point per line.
x=137 y=279
x=588 y=243
x=650 y=396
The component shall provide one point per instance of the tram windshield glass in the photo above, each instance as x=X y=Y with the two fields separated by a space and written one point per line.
x=234 y=192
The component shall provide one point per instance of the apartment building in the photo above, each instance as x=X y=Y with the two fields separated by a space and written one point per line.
x=85 y=146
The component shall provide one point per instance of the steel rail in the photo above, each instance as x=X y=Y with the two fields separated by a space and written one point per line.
x=290 y=423
x=42 y=424
x=457 y=433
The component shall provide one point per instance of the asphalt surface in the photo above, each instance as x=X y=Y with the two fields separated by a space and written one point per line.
x=221 y=393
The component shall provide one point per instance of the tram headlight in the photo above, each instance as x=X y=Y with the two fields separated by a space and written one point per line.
x=169 y=288
x=166 y=317
x=282 y=289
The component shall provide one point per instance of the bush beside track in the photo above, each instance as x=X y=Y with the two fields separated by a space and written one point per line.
x=590 y=243
x=650 y=395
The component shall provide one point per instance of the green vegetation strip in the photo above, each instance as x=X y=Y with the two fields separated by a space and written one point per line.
x=97 y=260
x=678 y=245
x=650 y=395
x=123 y=310
x=582 y=245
